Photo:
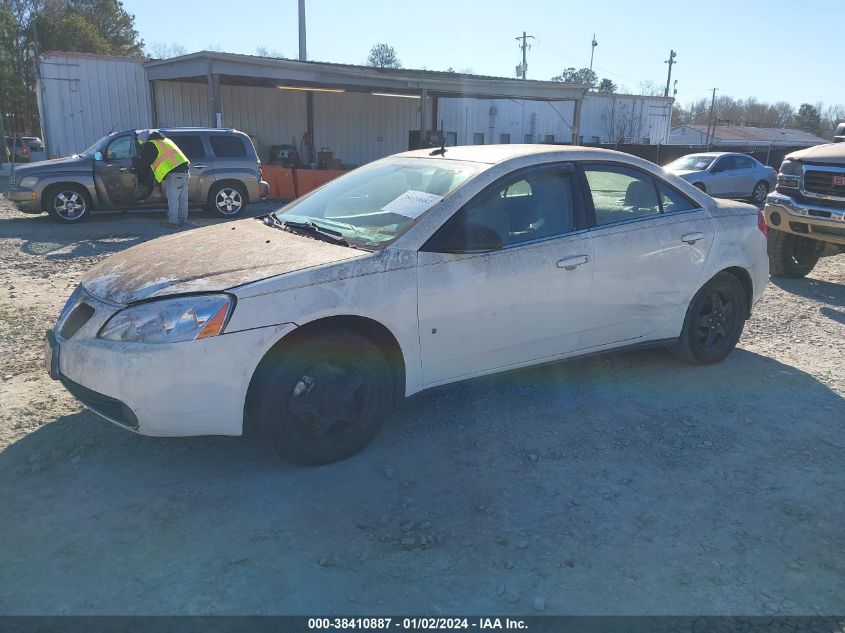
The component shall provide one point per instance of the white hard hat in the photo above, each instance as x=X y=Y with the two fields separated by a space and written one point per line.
x=143 y=135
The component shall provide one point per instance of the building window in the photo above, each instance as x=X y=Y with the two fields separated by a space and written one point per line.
x=451 y=139
x=550 y=138
x=504 y=139
x=478 y=138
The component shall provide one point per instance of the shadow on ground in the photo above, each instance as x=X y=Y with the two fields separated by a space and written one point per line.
x=620 y=484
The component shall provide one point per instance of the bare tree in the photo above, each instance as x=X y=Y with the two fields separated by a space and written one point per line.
x=263 y=51
x=649 y=88
x=163 y=50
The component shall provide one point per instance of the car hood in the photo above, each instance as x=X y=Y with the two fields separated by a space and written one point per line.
x=74 y=162
x=685 y=173
x=830 y=153
x=209 y=259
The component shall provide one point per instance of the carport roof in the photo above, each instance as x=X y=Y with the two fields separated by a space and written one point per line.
x=252 y=70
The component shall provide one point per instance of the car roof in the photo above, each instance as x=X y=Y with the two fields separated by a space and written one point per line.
x=492 y=154
x=217 y=130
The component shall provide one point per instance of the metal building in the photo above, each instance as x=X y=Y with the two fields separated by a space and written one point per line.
x=359 y=113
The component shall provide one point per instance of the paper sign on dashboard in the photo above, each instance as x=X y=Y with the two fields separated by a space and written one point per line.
x=412 y=204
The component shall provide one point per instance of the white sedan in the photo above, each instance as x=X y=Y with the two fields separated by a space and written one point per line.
x=421 y=269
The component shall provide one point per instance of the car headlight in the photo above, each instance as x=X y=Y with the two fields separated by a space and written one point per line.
x=790 y=168
x=29 y=182
x=170 y=320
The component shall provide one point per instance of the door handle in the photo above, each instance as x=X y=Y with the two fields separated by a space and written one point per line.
x=692 y=238
x=123 y=169
x=198 y=166
x=571 y=263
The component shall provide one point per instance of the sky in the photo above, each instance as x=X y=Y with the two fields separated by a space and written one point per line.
x=774 y=50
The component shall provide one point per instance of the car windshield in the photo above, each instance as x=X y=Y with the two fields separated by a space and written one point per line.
x=691 y=163
x=373 y=205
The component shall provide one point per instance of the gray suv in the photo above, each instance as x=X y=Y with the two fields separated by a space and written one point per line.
x=225 y=176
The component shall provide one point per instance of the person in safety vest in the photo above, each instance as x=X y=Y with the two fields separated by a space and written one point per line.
x=170 y=168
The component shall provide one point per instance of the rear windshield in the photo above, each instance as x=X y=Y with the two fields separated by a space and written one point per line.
x=373 y=205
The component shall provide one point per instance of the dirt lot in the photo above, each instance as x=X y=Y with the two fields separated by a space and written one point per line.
x=623 y=484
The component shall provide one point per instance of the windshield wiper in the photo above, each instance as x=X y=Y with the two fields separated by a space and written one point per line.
x=313 y=229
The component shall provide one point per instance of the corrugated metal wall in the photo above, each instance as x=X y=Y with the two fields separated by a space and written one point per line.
x=494 y=117
x=181 y=104
x=84 y=97
x=603 y=119
x=357 y=127
x=360 y=128
x=607 y=118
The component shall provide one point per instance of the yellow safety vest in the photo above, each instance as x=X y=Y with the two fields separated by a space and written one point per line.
x=169 y=158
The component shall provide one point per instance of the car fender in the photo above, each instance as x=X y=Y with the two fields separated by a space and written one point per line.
x=382 y=288
x=76 y=177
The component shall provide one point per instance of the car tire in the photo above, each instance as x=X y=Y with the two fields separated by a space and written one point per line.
x=714 y=321
x=323 y=398
x=68 y=204
x=700 y=186
x=759 y=193
x=227 y=199
x=791 y=256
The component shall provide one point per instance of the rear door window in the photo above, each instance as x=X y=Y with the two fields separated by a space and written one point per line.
x=190 y=144
x=620 y=193
x=228 y=146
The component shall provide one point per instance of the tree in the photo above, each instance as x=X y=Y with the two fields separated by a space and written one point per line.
x=606 y=85
x=162 y=50
x=383 y=56
x=30 y=27
x=808 y=118
x=263 y=51
x=583 y=76
x=650 y=89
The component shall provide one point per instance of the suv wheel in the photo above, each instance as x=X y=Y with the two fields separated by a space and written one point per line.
x=227 y=199
x=68 y=203
x=322 y=399
x=792 y=255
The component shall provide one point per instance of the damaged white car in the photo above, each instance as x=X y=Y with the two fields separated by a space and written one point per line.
x=421 y=269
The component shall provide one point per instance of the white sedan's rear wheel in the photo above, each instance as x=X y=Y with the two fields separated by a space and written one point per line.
x=714 y=321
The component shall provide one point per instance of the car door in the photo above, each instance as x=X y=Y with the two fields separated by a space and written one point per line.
x=481 y=311
x=114 y=172
x=723 y=179
x=650 y=246
x=200 y=168
x=746 y=176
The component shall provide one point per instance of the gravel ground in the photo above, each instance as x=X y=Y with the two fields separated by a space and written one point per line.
x=623 y=484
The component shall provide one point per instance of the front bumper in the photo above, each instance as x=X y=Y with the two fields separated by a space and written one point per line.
x=26 y=200
x=178 y=389
x=817 y=221
x=263 y=189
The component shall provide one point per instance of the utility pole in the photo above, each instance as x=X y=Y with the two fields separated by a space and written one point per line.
x=302 y=53
x=671 y=109
x=524 y=47
x=593 y=50
x=670 y=61
x=710 y=118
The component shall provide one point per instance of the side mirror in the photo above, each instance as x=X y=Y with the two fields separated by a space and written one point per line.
x=469 y=237
x=98 y=156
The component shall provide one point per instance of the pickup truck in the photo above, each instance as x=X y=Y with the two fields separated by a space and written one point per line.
x=225 y=175
x=806 y=212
